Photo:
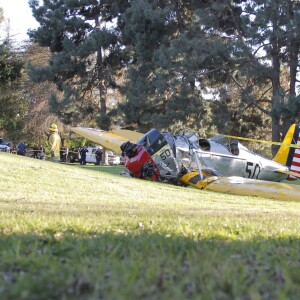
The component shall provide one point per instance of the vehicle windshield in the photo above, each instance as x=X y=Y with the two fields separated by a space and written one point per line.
x=187 y=141
x=2 y=142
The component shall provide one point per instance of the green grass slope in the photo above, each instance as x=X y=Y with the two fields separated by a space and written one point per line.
x=81 y=232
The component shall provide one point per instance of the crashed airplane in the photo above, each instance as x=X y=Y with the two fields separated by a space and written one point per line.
x=210 y=164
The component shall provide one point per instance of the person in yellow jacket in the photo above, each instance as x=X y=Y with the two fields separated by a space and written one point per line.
x=54 y=142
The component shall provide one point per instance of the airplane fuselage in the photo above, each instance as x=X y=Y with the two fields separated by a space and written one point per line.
x=245 y=163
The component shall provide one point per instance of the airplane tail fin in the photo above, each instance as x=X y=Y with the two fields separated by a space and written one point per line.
x=287 y=155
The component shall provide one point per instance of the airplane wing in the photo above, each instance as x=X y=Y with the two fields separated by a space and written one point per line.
x=254 y=187
x=291 y=173
x=244 y=186
x=130 y=135
x=106 y=139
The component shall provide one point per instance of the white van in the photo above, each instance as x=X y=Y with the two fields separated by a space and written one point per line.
x=113 y=159
x=90 y=155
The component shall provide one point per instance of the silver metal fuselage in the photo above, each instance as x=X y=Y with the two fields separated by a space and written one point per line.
x=244 y=163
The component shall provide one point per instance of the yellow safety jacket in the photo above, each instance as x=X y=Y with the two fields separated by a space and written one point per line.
x=55 y=144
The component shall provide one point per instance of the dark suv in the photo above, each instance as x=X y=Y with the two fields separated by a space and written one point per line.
x=74 y=155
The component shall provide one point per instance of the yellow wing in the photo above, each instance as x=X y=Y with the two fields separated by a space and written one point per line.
x=244 y=186
x=291 y=173
x=130 y=135
x=254 y=187
x=107 y=139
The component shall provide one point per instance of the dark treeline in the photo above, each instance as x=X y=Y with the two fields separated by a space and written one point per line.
x=227 y=66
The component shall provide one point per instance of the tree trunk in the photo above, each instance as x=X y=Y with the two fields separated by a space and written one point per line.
x=276 y=92
x=100 y=76
x=293 y=64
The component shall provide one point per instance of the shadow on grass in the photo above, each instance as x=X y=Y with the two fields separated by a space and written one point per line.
x=146 y=266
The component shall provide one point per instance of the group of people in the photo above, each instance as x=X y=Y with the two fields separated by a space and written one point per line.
x=21 y=149
x=83 y=151
x=57 y=152
x=54 y=142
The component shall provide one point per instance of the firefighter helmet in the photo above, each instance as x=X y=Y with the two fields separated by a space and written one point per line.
x=53 y=127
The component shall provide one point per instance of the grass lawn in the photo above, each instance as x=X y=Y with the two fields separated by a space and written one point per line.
x=84 y=232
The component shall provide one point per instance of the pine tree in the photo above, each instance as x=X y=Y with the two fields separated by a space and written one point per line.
x=161 y=84
x=182 y=48
x=265 y=42
x=85 y=55
x=12 y=105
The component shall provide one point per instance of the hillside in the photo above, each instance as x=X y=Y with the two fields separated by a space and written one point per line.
x=80 y=232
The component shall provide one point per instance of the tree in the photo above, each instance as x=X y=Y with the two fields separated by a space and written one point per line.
x=12 y=106
x=39 y=116
x=265 y=43
x=85 y=55
x=182 y=48
x=175 y=61
x=161 y=84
